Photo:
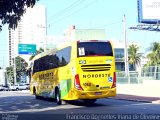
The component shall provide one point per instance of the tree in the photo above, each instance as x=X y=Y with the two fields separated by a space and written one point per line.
x=11 y=11
x=134 y=57
x=10 y=74
x=154 y=56
x=21 y=66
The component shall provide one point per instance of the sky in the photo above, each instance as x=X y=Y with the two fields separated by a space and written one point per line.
x=105 y=14
x=91 y=14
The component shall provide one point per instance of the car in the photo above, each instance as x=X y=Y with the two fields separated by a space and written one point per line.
x=19 y=87
x=27 y=86
x=1 y=88
x=13 y=87
x=4 y=88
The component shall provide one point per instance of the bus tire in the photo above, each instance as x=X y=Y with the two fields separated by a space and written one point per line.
x=58 y=97
x=89 y=101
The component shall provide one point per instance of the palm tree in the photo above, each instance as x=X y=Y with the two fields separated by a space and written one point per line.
x=154 y=56
x=134 y=57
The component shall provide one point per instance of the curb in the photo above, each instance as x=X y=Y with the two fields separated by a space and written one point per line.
x=135 y=100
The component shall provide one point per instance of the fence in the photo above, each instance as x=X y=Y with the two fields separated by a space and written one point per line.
x=133 y=78
x=147 y=73
x=151 y=72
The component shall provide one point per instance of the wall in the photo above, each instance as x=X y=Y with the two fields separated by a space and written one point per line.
x=148 y=88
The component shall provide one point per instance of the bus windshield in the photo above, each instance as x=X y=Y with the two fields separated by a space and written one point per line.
x=94 y=49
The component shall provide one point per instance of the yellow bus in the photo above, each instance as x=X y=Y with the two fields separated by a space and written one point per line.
x=80 y=70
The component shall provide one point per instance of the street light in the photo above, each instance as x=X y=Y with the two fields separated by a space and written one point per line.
x=126 y=49
x=44 y=27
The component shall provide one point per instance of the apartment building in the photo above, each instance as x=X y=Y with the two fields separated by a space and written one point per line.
x=31 y=30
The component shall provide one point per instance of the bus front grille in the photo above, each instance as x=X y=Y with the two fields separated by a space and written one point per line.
x=96 y=67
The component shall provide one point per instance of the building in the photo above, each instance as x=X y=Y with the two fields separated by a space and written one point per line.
x=119 y=54
x=144 y=61
x=31 y=30
x=53 y=41
x=84 y=34
x=119 y=49
x=2 y=77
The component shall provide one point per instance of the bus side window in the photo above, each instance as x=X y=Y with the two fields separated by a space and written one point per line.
x=53 y=61
x=64 y=56
x=36 y=66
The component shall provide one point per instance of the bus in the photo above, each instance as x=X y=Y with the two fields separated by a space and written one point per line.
x=79 y=70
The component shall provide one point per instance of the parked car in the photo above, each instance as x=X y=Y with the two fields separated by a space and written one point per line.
x=27 y=86
x=4 y=88
x=1 y=88
x=18 y=87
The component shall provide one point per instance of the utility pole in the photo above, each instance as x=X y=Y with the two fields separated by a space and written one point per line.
x=45 y=37
x=14 y=68
x=126 y=48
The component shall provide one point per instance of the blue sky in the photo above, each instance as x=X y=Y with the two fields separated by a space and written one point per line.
x=3 y=47
x=88 y=14
x=107 y=14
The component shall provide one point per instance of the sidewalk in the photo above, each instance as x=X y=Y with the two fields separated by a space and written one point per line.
x=149 y=92
x=155 y=100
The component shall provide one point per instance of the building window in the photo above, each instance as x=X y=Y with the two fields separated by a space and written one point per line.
x=119 y=53
x=120 y=66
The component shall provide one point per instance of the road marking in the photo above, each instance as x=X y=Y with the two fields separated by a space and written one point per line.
x=43 y=109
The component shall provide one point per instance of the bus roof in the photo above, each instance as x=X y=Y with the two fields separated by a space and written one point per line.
x=63 y=45
x=44 y=54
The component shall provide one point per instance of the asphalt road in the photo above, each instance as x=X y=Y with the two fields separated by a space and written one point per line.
x=20 y=105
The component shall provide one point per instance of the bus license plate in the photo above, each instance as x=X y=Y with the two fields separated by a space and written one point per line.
x=98 y=93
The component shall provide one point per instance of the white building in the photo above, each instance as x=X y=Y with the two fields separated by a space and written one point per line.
x=73 y=34
x=53 y=41
x=144 y=61
x=31 y=30
x=2 y=77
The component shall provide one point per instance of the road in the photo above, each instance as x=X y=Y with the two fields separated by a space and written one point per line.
x=20 y=105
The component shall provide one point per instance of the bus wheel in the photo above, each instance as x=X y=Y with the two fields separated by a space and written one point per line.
x=58 y=98
x=89 y=101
